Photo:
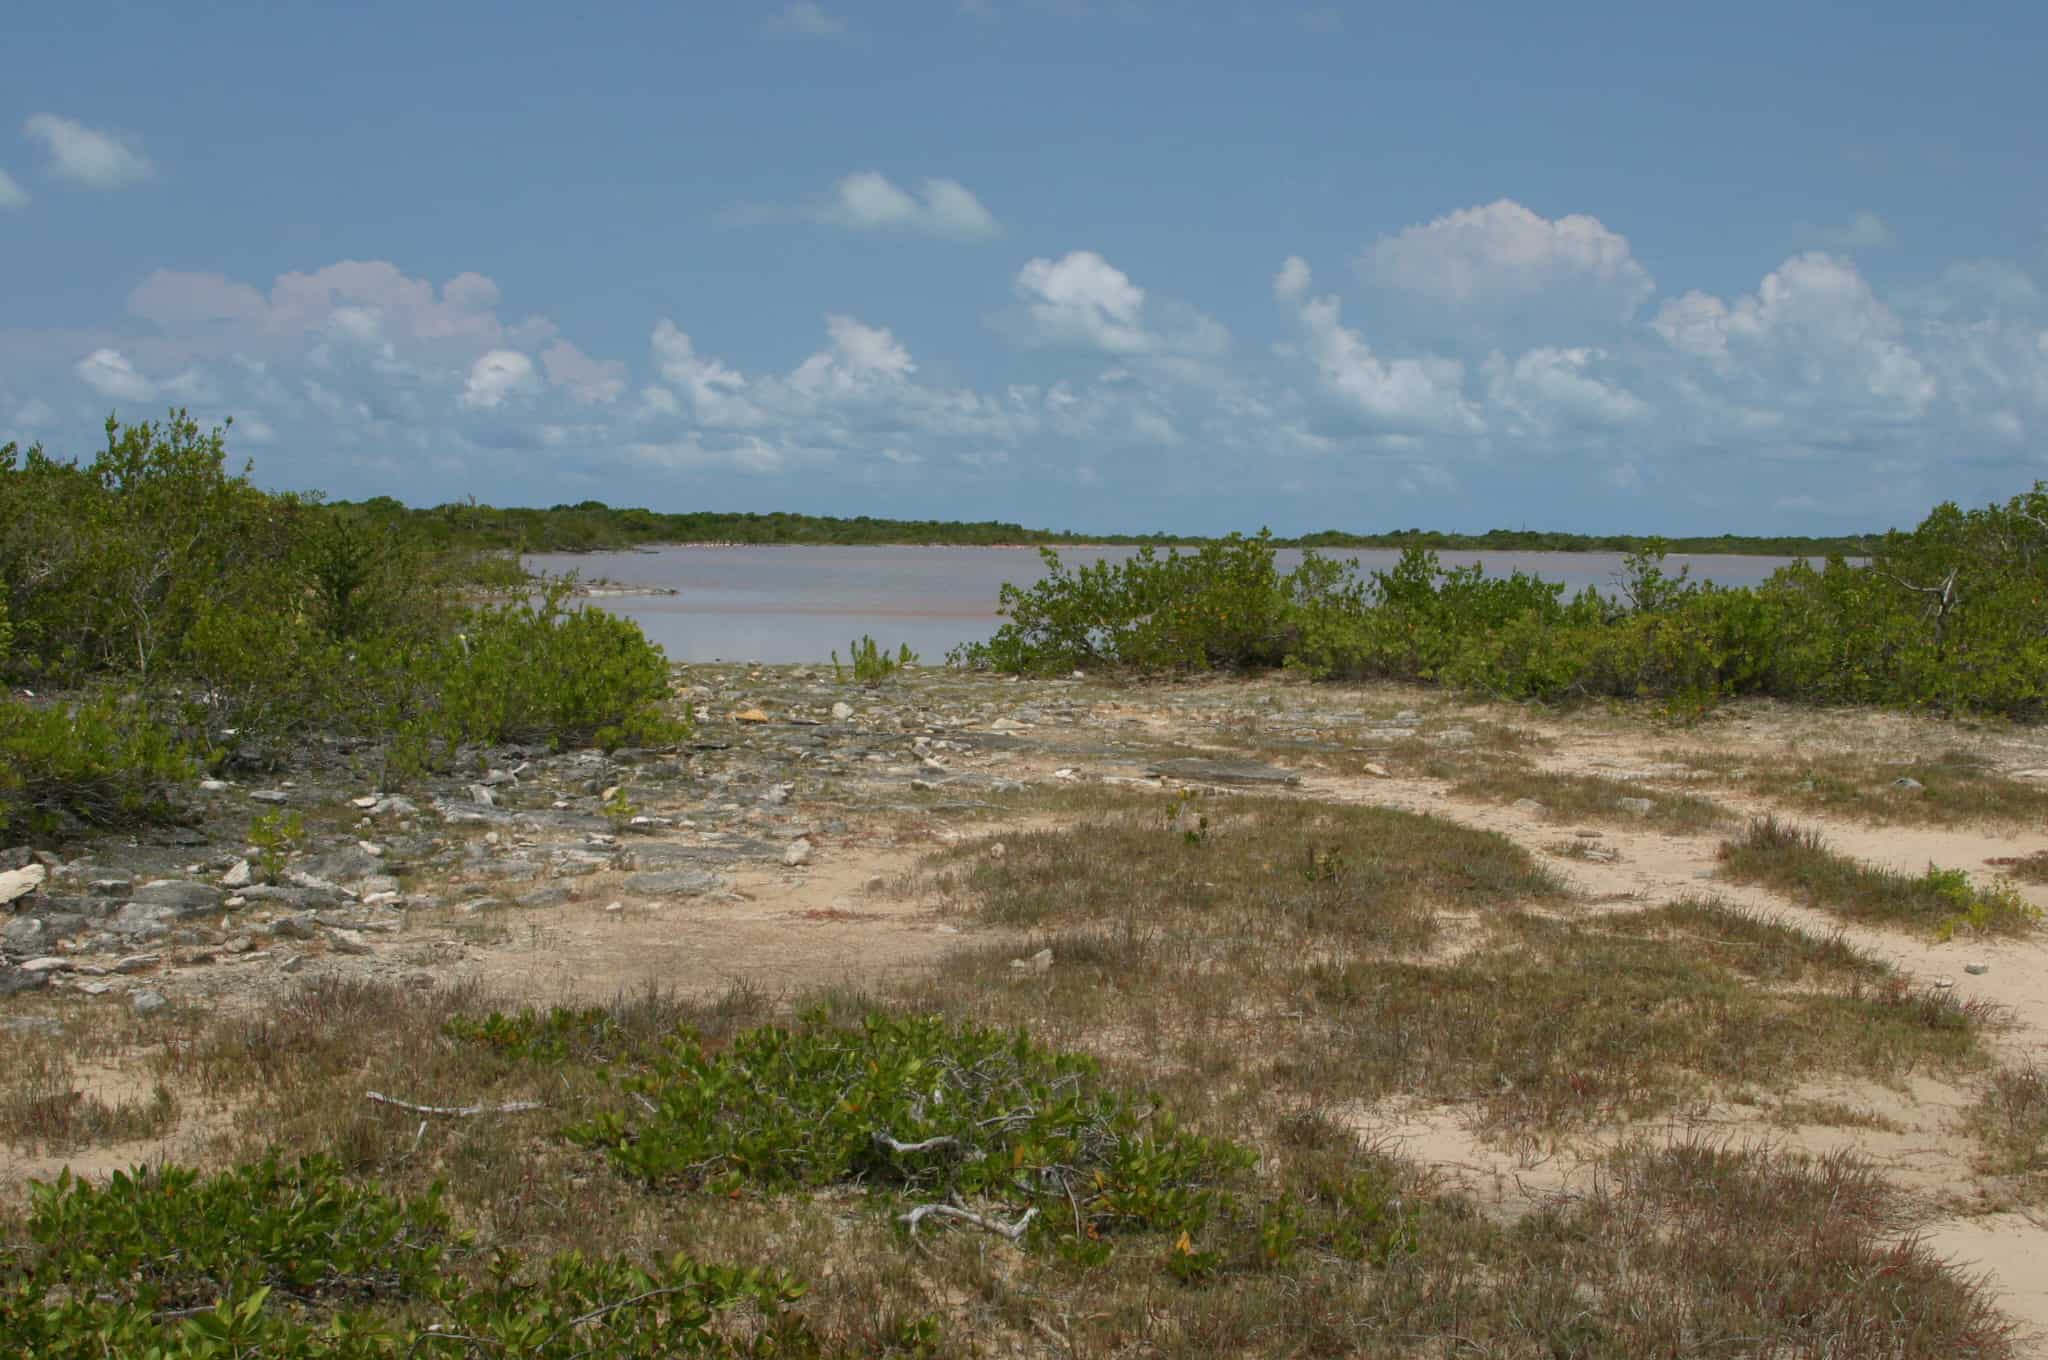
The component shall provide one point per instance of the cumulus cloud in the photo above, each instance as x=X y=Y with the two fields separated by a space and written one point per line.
x=1291 y=283
x=1814 y=329
x=88 y=156
x=1424 y=393
x=869 y=201
x=1082 y=298
x=109 y=373
x=1502 y=253
x=12 y=195
x=808 y=19
x=1548 y=389
x=717 y=394
x=598 y=382
x=496 y=377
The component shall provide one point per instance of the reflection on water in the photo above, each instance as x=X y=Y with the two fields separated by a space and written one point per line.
x=803 y=603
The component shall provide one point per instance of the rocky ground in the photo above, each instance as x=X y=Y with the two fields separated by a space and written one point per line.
x=780 y=847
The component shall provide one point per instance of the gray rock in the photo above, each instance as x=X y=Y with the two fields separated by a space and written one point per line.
x=482 y=796
x=671 y=883
x=395 y=806
x=111 y=887
x=181 y=895
x=22 y=934
x=553 y=896
x=1223 y=771
x=13 y=980
x=148 y=1003
x=292 y=928
x=797 y=854
x=1530 y=805
x=346 y=865
x=272 y=796
x=1640 y=807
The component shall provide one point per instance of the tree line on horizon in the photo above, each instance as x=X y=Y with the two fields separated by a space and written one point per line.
x=592 y=525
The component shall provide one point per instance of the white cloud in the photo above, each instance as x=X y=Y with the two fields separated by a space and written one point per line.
x=109 y=373
x=495 y=377
x=1547 y=389
x=590 y=381
x=1083 y=298
x=98 y=160
x=808 y=19
x=1406 y=394
x=1813 y=330
x=717 y=394
x=1502 y=252
x=12 y=195
x=1291 y=283
x=1861 y=232
x=868 y=201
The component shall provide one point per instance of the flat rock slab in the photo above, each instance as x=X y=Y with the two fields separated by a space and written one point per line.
x=672 y=883
x=1223 y=771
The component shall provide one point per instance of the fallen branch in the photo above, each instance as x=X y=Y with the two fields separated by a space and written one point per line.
x=943 y=1140
x=1013 y=1231
x=453 y=1111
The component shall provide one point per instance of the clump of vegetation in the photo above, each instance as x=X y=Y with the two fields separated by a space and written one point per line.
x=2011 y=1120
x=1573 y=797
x=870 y=664
x=276 y=835
x=1945 y=616
x=1942 y=901
x=1944 y=789
x=199 y=619
x=300 y=1261
x=2028 y=868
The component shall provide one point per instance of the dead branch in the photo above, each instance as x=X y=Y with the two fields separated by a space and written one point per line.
x=453 y=1111
x=1013 y=1231
x=944 y=1140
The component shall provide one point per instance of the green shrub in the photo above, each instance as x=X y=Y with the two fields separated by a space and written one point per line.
x=102 y=760
x=870 y=664
x=298 y=1262
x=537 y=672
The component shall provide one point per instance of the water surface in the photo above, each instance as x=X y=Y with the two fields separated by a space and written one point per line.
x=781 y=604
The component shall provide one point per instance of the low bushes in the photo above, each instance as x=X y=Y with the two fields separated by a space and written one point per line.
x=101 y=761
x=1952 y=615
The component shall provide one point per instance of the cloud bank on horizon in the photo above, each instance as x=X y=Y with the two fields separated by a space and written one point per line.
x=844 y=262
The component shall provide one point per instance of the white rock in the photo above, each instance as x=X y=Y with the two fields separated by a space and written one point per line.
x=1041 y=962
x=798 y=854
x=16 y=884
x=841 y=711
x=1974 y=969
x=368 y=800
x=238 y=875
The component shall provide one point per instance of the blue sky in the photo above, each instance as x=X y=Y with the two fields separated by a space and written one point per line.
x=1759 y=268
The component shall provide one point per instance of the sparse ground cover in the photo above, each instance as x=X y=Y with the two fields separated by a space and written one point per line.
x=1943 y=901
x=1951 y=788
x=1591 y=798
x=1212 y=988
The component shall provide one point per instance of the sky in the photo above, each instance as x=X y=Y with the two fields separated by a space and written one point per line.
x=1123 y=266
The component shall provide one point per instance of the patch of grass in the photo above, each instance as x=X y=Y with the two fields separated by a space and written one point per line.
x=1589 y=798
x=1956 y=787
x=1829 y=1114
x=2027 y=868
x=1798 y=861
x=1264 y=867
x=1564 y=1025
x=2011 y=1120
x=42 y=1107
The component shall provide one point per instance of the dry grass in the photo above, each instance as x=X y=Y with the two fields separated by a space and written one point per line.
x=1956 y=787
x=2027 y=868
x=1590 y=798
x=1798 y=861
x=1284 y=960
x=2010 y=1119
